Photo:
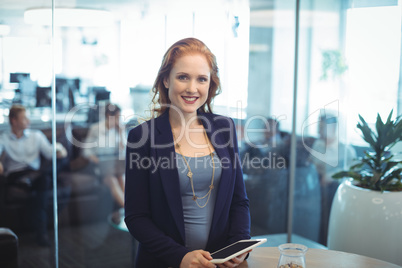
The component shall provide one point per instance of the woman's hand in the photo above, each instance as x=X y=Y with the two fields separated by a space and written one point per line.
x=235 y=261
x=197 y=258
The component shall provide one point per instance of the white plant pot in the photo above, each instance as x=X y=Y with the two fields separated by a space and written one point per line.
x=366 y=222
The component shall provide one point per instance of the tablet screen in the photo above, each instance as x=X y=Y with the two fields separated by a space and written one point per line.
x=232 y=249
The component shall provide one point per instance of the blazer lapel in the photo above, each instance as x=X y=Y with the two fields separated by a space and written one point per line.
x=222 y=149
x=169 y=176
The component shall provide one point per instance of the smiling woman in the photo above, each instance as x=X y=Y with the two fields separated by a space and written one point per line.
x=186 y=209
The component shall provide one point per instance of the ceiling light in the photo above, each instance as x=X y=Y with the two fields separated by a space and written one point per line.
x=74 y=17
x=4 y=29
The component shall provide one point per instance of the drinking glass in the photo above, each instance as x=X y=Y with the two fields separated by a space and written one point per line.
x=292 y=256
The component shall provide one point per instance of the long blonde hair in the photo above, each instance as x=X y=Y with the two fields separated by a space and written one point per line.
x=187 y=46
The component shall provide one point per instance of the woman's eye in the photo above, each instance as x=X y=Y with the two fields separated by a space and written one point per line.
x=203 y=79
x=182 y=77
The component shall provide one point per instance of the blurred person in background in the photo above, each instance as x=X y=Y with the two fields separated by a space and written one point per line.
x=332 y=157
x=21 y=150
x=105 y=147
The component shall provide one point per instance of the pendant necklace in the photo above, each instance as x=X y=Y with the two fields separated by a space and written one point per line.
x=190 y=174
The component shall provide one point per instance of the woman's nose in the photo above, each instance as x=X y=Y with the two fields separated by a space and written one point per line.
x=192 y=87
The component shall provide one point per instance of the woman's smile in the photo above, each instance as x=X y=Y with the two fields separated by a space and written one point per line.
x=189 y=100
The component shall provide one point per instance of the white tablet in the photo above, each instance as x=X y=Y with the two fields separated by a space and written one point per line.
x=235 y=249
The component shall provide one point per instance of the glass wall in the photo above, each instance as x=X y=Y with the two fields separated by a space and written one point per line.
x=294 y=85
x=345 y=59
x=26 y=75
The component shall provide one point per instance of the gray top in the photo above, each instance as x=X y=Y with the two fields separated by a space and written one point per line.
x=197 y=221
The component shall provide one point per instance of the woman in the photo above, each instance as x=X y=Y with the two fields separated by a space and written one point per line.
x=185 y=195
x=107 y=137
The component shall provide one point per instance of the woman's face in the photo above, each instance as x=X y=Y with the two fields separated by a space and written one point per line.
x=188 y=83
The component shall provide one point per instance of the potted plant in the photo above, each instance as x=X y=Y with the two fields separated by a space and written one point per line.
x=366 y=213
x=376 y=170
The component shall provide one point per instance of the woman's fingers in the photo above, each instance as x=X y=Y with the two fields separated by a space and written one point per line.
x=197 y=258
x=235 y=261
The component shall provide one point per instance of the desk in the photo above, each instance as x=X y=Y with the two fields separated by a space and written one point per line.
x=267 y=257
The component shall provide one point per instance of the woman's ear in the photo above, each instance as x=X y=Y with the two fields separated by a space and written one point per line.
x=166 y=82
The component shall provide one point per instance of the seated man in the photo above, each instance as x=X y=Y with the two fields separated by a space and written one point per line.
x=20 y=150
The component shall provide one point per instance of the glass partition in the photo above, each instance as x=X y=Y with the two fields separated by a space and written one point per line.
x=347 y=60
x=267 y=127
x=343 y=59
x=320 y=122
x=26 y=119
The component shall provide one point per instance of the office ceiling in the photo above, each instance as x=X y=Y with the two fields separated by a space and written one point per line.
x=113 y=4
x=12 y=9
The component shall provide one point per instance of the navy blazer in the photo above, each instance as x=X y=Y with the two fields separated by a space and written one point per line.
x=153 y=206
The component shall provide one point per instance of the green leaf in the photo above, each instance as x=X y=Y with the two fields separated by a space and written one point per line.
x=366 y=132
x=395 y=174
x=388 y=167
x=379 y=125
x=357 y=166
